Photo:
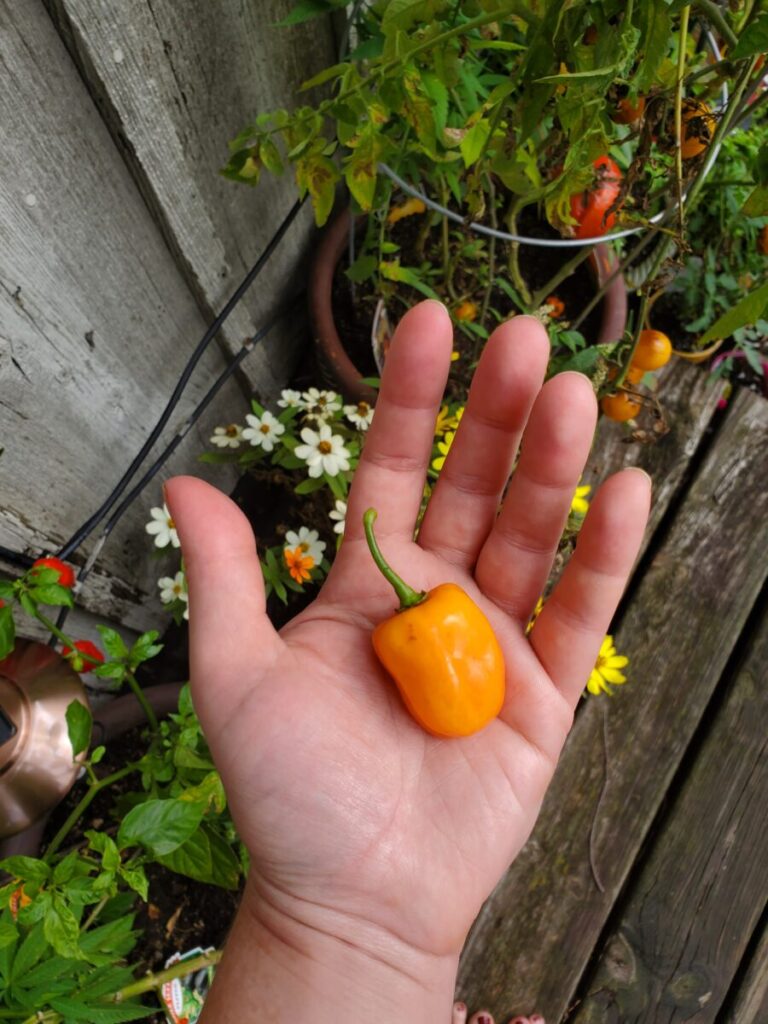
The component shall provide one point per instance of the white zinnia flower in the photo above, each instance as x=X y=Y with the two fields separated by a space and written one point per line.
x=289 y=399
x=163 y=527
x=320 y=403
x=263 y=431
x=340 y=515
x=173 y=588
x=227 y=437
x=308 y=541
x=359 y=415
x=323 y=451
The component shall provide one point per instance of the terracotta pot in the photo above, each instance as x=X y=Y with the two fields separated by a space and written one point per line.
x=339 y=370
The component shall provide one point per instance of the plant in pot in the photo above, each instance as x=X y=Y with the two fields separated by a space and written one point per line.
x=487 y=148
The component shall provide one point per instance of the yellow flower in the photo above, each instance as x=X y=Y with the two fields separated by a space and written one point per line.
x=443 y=447
x=448 y=420
x=454 y=356
x=534 y=615
x=606 y=670
x=579 y=504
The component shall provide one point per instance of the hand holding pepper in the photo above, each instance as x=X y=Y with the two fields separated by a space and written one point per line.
x=373 y=843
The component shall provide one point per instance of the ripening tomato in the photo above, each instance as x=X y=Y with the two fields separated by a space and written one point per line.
x=556 y=306
x=762 y=241
x=590 y=207
x=699 y=125
x=654 y=350
x=620 y=407
x=466 y=311
x=626 y=112
x=66 y=572
x=634 y=374
x=76 y=659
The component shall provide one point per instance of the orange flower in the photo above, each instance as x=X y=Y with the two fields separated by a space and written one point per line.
x=299 y=563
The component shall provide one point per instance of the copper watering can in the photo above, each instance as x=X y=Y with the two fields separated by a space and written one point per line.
x=36 y=764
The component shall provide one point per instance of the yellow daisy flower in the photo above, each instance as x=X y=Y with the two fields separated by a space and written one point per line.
x=579 y=504
x=534 y=615
x=606 y=670
x=447 y=420
x=443 y=447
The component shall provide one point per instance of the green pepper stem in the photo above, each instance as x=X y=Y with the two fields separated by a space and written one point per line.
x=407 y=596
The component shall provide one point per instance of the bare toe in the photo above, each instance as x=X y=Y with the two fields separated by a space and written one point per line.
x=459 y=1015
x=483 y=1017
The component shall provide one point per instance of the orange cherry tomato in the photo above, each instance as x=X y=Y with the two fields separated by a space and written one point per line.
x=466 y=311
x=590 y=207
x=620 y=407
x=626 y=112
x=699 y=125
x=653 y=351
x=557 y=306
x=634 y=374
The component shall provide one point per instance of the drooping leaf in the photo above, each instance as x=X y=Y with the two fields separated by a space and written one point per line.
x=61 y=929
x=748 y=310
x=7 y=631
x=363 y=268
x=474 y=140
x=79 y=725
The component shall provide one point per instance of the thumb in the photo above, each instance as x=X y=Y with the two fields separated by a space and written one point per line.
x=232 y=642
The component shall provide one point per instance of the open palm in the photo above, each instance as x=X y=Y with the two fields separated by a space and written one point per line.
x=350 y=811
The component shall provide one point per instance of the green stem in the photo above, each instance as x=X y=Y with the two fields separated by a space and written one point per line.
x=54 y=630
x=716 y=17
x=565 y=271
x=681 y=43
x=140 y=697
x=82 y=806
x=407 y=596
x=514 y=256
x=155 y=981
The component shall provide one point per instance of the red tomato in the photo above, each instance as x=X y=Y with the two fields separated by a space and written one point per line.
x=626 y=112
x=80 y=664
x=66 y=572
x=590 y=207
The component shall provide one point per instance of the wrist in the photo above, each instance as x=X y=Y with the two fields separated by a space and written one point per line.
x=287 y=960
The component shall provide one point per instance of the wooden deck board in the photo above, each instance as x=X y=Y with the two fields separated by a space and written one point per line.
x=538 y=930
x=749 y=1003
x=693 y=907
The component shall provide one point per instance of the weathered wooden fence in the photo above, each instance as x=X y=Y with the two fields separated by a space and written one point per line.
x=118 y=242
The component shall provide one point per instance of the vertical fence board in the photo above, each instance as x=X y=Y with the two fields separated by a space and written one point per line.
x=175 y=83
x=96 y=320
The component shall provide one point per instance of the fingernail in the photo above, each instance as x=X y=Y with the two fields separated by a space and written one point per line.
x=633 y=469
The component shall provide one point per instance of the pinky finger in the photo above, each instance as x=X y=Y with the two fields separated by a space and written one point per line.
x=573 y=622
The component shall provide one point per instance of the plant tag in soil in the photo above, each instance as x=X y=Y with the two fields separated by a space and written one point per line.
x=183 y=998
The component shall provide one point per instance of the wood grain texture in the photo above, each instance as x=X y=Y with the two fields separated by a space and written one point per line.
x=536 y=933
x=96 y=322
x=689 y=398
x=689 y=914
x=749 y=1004
x=175 y=82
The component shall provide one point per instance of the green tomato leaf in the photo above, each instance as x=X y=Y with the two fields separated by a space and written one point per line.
x=753 y=40
x=473 y=141
x=8 y=934
x=135 y=876
x=79 y=724
x=159 y=825
x=363 y=268
x=7 y=631
x=72 y=1010
x=106 y=846
x=7 y=590
x=746 y=311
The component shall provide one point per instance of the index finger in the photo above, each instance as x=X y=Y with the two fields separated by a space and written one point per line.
x=392 y=469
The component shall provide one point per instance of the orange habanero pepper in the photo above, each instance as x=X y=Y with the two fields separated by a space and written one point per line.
x=441 y=651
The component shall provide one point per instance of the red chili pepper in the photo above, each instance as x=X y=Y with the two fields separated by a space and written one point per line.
x=66 y=572
x=93 y=656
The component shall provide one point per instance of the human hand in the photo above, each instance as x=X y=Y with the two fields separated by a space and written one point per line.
x=360 y=825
